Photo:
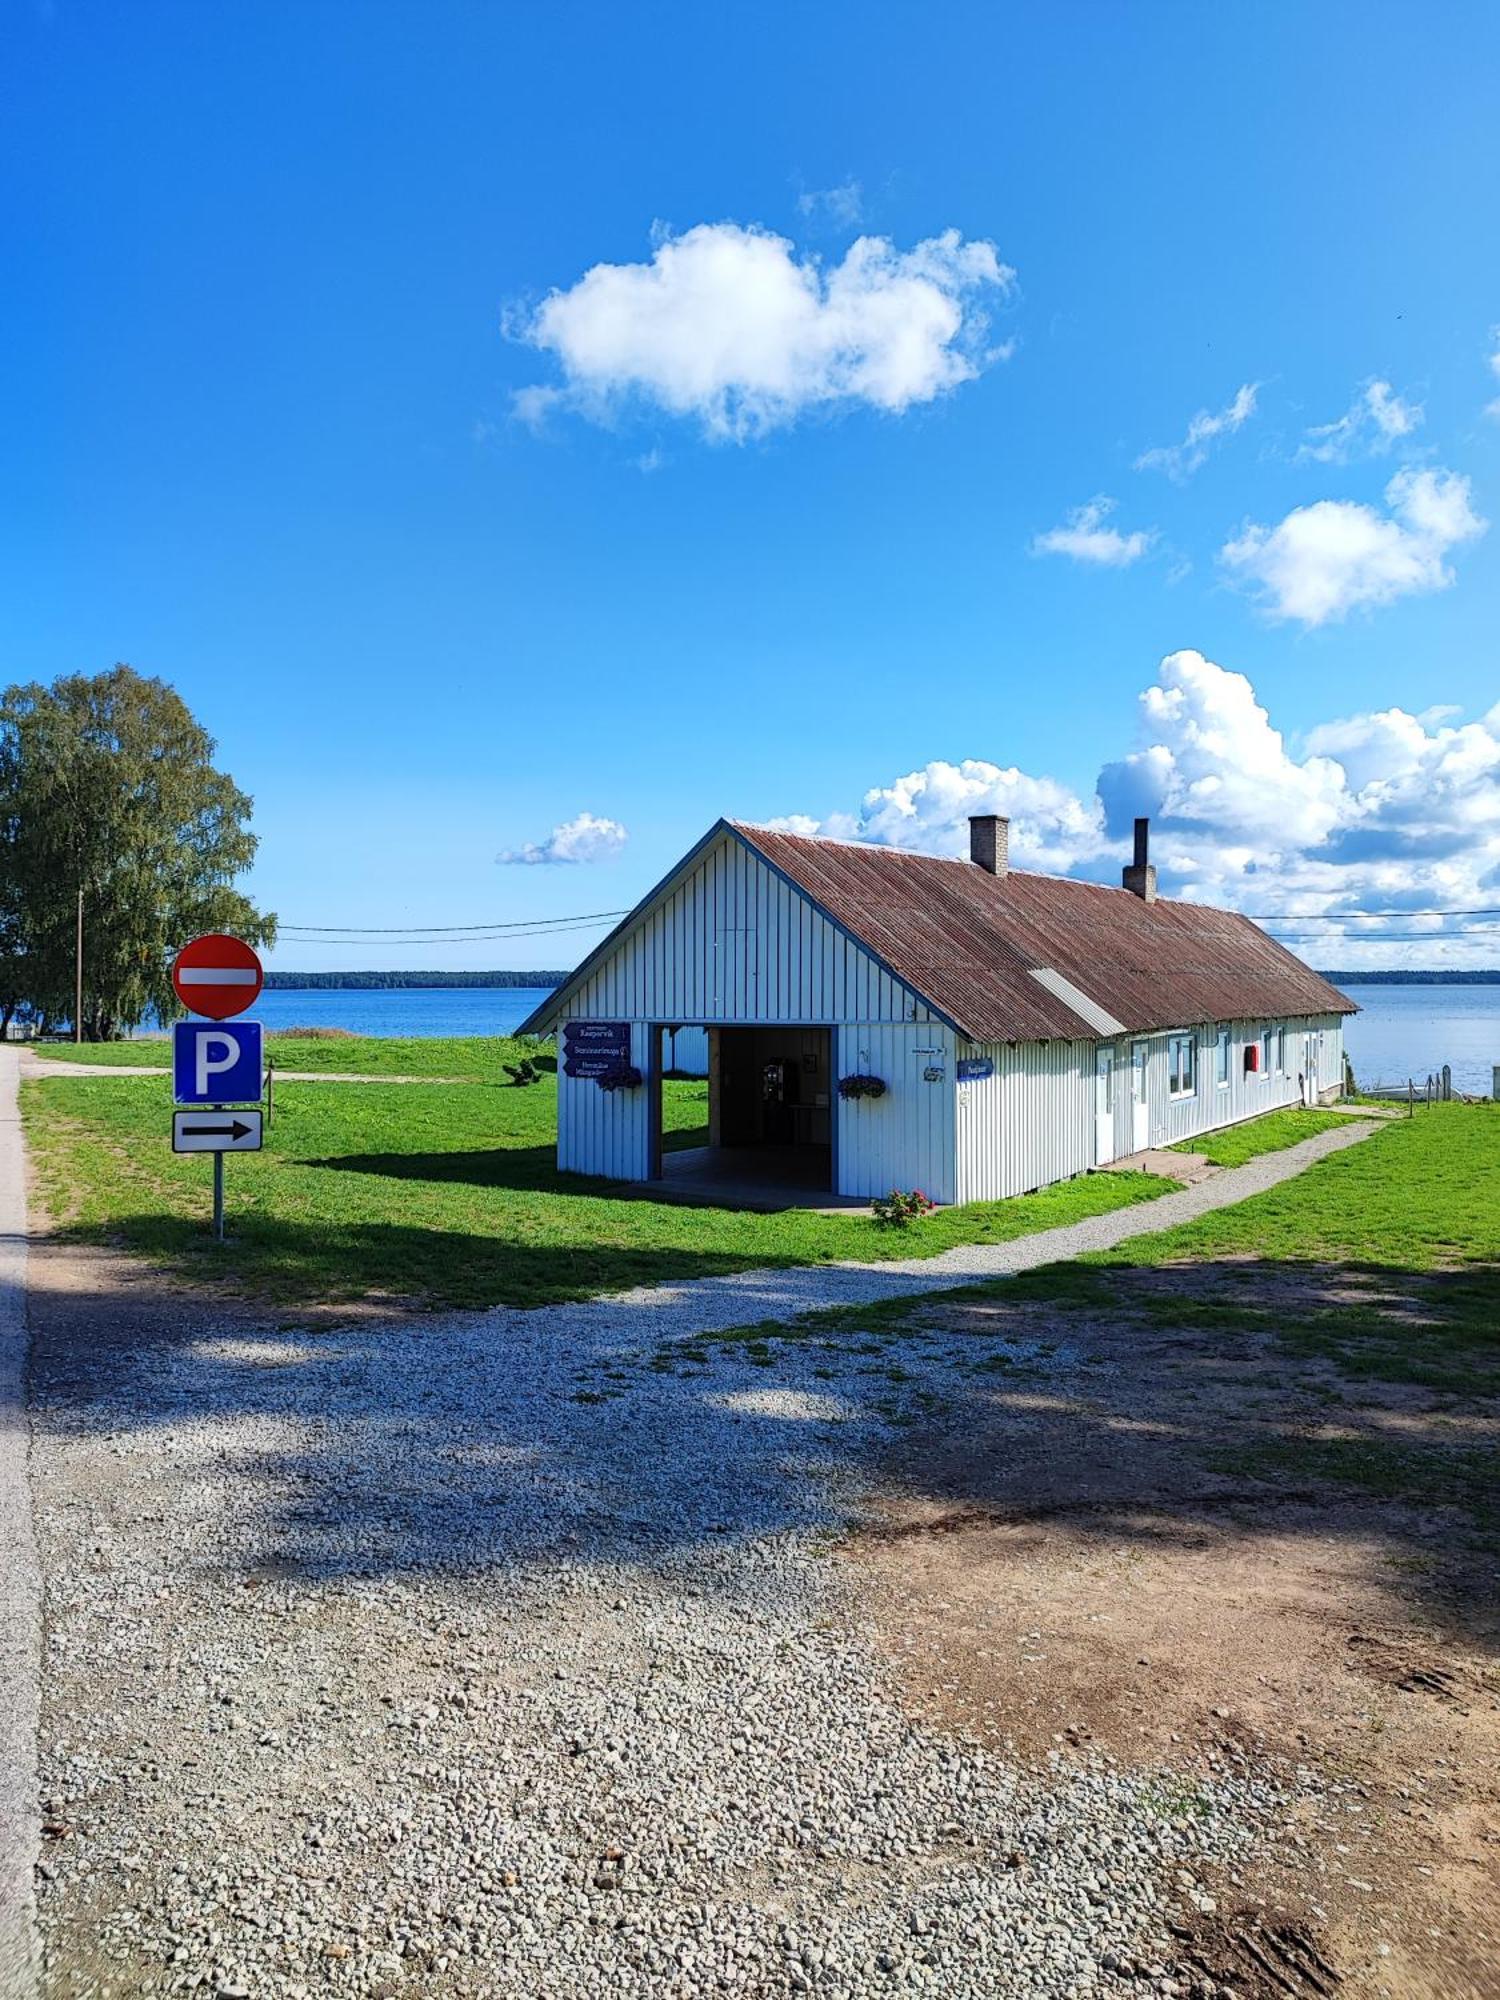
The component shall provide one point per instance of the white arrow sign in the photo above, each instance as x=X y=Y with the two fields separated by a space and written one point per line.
x=216 y=1131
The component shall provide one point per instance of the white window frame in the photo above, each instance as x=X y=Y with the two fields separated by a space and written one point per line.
x=1222 y=1055
x=1177 y=1090
x=1267 y=1040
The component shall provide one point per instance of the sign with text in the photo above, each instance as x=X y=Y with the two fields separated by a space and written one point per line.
x=216 y=1131
x=974 y=1069
x=216 y=1062
x=595 y=1048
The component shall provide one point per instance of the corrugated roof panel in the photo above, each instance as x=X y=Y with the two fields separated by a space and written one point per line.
x=969 y=942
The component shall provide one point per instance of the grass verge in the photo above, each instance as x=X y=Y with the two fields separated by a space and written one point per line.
x=1269 y=1133
x=445 y=1196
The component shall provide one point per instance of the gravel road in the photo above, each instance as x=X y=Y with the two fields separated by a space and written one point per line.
x=508 y=1654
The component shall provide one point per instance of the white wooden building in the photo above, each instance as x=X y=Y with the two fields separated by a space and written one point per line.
x=1018 y=1028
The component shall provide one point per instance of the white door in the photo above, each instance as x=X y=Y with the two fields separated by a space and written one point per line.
x=1104 y=1106
x=1140 y=1109
x=1310 y=1072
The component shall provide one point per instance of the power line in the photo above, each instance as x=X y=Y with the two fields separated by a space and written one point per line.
x=1359 y=916
x=530 y=925
x=448 y=937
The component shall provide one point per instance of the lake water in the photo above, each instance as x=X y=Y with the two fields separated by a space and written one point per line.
x=1407 y=1031
x=401 y=1010
x=1403 y=1030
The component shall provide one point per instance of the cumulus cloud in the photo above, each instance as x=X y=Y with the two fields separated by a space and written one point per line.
x=1181 y=461
x=1377 y=419
x=1383 y=810
x=727 y=326
x=1336 y=556
x=583 y=838
x=1087 y=538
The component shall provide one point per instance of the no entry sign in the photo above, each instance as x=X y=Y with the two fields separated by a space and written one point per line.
x=217 y=976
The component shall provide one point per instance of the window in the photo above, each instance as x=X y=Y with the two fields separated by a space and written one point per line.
x=1281 y=1051
x=1181 y=1081
x=1268 y=1052
x=1221 y=1059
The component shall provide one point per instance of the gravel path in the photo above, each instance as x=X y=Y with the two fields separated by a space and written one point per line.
x=503 y=1654
x=20 y=1586
x=704 y=1305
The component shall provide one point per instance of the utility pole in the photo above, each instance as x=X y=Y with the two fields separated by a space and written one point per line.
x=78 y=974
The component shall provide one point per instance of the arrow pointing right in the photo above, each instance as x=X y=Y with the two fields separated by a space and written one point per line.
x=236 y=1130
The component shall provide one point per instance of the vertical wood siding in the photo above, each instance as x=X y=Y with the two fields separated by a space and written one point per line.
x=733 y=942
x=607 y=1132
x=1030 y=1123
x=906 y=1138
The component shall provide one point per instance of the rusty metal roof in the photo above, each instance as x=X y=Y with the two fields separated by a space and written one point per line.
x=968 y=942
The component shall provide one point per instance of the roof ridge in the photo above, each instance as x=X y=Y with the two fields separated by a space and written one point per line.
x=961 y=861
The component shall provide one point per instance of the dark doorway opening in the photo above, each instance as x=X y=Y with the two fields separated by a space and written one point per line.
x=770 y=1118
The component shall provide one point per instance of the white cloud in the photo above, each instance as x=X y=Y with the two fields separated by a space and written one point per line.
x=1493 y=409
x=726 y=325
x=1087 y=539
x=1335 y=556
x=583 y=838
x=842 y=205
x=1181 y=461
x=1387 y=810
x=1374 y=421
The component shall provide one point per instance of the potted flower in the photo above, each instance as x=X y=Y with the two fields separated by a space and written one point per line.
x=861 y=1086
x=624 y=1076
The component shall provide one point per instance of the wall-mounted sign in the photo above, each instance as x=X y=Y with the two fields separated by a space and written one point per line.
x=974 y=1069
x=595 y=1048
x=933 y=1073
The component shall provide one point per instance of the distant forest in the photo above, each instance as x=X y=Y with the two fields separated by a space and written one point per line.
x=301 y=982
x=1417 y=976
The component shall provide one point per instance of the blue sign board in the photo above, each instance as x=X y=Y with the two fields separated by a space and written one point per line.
x=216 y=1062
x=595 y=1048
x=974 y=1069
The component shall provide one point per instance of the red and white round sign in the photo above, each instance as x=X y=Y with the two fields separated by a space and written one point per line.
x=217 y=976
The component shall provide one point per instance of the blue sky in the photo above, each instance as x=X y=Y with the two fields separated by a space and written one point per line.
x=312 y=415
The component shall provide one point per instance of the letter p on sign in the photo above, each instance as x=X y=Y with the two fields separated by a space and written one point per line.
x=215 y=1052
x=216 y=1062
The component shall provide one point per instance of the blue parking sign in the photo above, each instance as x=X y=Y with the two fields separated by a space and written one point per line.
x=216 y=1062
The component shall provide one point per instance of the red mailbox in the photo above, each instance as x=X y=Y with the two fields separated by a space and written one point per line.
x=1252 y=1056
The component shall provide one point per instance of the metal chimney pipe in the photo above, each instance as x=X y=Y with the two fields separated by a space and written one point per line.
x=1140 y=876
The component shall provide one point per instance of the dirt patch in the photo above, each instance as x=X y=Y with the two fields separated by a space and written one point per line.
x=1189 y=1533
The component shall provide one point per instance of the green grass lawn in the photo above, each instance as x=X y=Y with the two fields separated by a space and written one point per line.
x=466 y=1056
x=1267 y=1134
x=442 y=1195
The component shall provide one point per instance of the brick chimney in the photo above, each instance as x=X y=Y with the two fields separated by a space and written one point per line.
x=989 y=842
x=1140 y=876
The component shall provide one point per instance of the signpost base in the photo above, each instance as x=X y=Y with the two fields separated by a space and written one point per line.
x=218 y=1197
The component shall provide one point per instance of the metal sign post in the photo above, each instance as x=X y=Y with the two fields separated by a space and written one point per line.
x=219 y=977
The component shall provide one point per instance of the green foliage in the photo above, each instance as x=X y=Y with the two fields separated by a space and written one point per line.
x=107 y=785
